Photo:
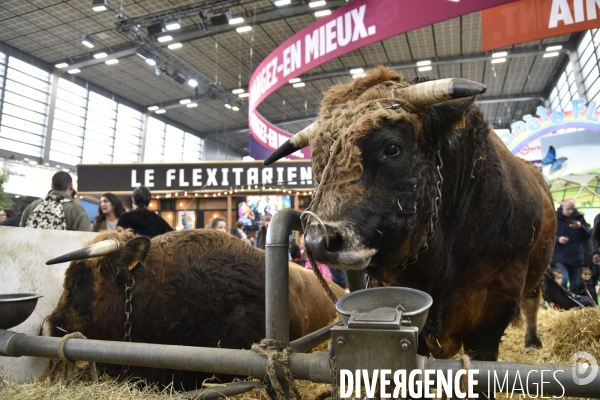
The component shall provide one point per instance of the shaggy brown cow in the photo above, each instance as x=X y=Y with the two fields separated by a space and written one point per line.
x=200 y=288
x=416 y=188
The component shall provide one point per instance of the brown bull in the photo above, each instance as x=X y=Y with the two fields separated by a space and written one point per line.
x=416 y=188
x=193 y=288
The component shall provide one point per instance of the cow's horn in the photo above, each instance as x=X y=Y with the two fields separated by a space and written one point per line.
x=95 y=250
x=431 y=92
x=299 y=141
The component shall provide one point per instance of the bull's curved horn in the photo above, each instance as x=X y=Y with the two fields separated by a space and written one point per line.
x=97 y=249
x=431 y=92
x=299 y=141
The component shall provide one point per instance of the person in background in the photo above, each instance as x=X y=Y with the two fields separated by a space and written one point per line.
x=596 y=241
x=235 y=232
x=72 y=217
x=261 y=236
x=6 y=214
x=587 y=285
x=141 y=220
x=109 y=211
x=571 y=231
x=185 y=221
x=217 y=223
x=16 y=220
x=240 y=227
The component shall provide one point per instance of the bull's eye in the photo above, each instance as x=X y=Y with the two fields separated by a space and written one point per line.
x=391 y=150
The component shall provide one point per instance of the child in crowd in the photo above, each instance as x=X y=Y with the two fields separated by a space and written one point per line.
x=586 y=288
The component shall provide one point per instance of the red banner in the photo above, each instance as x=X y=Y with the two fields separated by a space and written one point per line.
x=527 y=20
x=355 y=25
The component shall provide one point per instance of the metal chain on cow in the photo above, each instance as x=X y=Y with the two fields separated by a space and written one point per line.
x=128 y=310
x=277 y=353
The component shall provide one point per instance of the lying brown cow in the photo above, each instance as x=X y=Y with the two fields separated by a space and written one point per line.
x=192 y=288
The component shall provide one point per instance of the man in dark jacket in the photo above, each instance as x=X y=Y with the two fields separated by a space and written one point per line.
x=571 y=231
x=596 y=241
x=141 y=220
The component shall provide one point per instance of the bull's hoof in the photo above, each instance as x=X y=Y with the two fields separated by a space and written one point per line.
x=532 y=343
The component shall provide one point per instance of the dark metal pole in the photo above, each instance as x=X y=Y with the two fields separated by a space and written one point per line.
x=353 y=278
x=312 y=340
x=277 y=273
x=314 y=366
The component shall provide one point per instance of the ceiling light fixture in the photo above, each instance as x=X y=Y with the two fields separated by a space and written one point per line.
x=499 y=54
x=166 y=38
x=499 y=60
x=318 y=3
x=237 y=91
x=172 y=24
x=227 y=106
x=281 y=3
x=322 y=13
x=62 y=65
x=185 y=101
x=151 y=61
x=192 y=105
x=87 y=41
x=99 y=5
x=236 y=20
x=192 y=82
x=243 y=29
x=221 y=19
x=111 y=62
x=295 y=80
x=100 y=55
x=423 y=63
x=553 y=48
x=152 y=108
x=74 y=71
x=243 y=95
x=299 y=84
x=425 y=68
x=161 y=111
x=235 y=108
x=174 y=46
x=552 y=54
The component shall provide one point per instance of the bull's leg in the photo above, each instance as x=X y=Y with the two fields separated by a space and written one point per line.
x=482 y=344
x=529 y=307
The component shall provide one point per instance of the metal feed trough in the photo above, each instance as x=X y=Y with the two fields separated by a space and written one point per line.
x=375 y=333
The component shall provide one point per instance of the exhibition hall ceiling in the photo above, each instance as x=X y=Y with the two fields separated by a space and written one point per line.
x=213 y=51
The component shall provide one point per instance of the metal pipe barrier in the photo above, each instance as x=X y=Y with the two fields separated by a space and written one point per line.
x=312 y=340
x=558 y=379
x=314 y=366
x=277 y=273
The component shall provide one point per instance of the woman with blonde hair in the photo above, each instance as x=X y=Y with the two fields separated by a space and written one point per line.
x=217 y=223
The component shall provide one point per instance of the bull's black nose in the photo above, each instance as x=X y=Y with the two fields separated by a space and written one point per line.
x=317 y=243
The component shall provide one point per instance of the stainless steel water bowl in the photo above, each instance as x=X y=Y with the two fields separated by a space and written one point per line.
x=16 y=308
x=413 y=303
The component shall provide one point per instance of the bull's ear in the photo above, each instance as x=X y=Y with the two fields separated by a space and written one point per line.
x=448 y=116
x=128 y=256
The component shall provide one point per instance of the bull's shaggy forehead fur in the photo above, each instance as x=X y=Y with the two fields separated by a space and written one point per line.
x=348 y=113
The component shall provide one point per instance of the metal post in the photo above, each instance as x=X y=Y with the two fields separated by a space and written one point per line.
x=277 y=273
x=353 y=278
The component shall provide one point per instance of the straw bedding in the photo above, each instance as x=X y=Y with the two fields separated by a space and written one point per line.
x=563 y=334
